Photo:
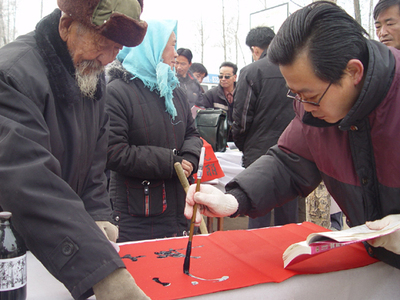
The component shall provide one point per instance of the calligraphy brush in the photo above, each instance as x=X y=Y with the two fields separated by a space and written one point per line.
x=185 y=184
x=186 y=264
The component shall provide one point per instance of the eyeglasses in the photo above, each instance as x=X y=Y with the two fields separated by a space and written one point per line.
x=297 y=97
x=226 y=76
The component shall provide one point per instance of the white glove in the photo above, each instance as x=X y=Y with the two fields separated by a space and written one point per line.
x=391 y=241
x=109 y=230
x=213 y=203
x=119 y=285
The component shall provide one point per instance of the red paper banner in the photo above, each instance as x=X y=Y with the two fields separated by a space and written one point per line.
x=212 y=168
x=248 y=257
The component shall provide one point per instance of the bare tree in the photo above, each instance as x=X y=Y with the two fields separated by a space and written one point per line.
x=236 y=31
x=2 y=29
x=264 y=3
x=8 y=9
x=223 y=30
x=201 y=39
x=357 y=11
x=371 y=23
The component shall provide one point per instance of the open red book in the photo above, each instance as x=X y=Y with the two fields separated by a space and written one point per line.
x=320 y=242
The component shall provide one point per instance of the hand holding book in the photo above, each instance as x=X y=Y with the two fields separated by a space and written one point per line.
x=390 y=241
x=382 y=233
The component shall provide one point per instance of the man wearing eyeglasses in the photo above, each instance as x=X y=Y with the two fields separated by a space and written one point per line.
x=345 y=132
x=221 y=96
x=261 y=112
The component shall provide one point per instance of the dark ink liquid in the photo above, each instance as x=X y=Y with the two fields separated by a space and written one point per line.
x=156 y=279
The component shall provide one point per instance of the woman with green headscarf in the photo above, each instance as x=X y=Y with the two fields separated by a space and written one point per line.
x=151 y=128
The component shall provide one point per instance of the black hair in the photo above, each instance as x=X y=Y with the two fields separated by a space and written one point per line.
x=384 y=5
x=329 y=36
x=229 y=64
x=186 y=53
x=260 y=36
x=198 y=67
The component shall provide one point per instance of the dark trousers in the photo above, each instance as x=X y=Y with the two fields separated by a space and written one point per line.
x=285 y=214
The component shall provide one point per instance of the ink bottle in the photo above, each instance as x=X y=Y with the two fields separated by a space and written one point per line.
x=13 y=270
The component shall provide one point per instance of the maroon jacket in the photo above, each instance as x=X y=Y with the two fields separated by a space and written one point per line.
x=358 y=158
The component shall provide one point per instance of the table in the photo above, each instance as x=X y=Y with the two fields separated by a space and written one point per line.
x=376 y=281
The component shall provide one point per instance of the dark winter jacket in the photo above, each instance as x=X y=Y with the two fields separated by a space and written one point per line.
x=143 y=147
x=261 y=110
x=53 y=144
x=215 y=98
x=358 y=158
x=192 y=87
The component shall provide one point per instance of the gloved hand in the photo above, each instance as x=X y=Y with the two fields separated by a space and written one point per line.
x=110 y=230
x=391 y=241
x=119 y=285
x=212 y=203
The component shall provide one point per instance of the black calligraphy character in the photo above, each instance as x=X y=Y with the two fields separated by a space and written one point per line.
x=132 y=258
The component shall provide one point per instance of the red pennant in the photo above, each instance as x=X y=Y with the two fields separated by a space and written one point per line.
x=212 y=168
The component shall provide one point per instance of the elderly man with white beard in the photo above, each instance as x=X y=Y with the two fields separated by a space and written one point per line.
x=53 y=141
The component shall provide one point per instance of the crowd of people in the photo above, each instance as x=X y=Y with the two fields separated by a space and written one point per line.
x=319 y=103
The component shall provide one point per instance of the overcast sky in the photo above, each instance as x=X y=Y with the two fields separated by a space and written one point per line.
x=189 y=14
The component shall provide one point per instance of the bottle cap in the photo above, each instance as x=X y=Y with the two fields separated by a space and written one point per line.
x=5 y=215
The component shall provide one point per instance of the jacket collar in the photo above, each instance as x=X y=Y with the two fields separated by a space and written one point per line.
x=58 y=61
x=263 y=54
x=381 y=67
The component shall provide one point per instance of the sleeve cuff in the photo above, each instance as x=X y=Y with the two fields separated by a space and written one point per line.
x=244 y=203
x=193 y=159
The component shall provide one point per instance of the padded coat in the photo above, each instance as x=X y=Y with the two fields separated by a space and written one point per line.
x=358 y=158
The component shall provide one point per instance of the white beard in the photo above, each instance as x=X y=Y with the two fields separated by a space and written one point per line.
x=87 y=81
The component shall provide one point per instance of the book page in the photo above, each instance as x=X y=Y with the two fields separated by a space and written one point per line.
x=357 y=233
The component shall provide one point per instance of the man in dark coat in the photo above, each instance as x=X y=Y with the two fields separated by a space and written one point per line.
x=261 y=112
x=187 y=80
x=221 y=96
x=345 y=131
x=53 y=141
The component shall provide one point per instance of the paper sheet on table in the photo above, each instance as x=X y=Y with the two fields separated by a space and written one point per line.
x=248 y=257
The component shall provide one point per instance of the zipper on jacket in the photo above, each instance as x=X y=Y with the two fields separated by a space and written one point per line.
x=146 y=189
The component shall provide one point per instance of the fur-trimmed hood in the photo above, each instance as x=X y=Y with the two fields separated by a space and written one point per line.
x=115 y=70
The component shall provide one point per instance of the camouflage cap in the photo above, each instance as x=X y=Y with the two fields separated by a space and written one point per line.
x=117 y=20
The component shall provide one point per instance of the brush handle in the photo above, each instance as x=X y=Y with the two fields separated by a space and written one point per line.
x=191 y=230
x=181 y=176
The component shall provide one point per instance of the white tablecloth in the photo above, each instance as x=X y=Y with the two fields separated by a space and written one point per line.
x=377 y=281
x=231 y=163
